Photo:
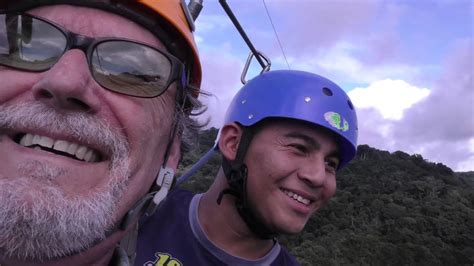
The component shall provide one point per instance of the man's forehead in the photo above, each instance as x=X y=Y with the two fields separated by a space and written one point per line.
x=291 y=123
x=288 y=127
x=96 y=23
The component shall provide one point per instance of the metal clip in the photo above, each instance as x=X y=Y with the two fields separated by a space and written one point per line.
x=165 y=181
x=191 y=12
x=249 y=60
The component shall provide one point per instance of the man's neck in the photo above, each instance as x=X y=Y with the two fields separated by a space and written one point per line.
x=225 y=228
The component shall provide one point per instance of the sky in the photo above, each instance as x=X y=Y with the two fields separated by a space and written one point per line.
x=407 y=65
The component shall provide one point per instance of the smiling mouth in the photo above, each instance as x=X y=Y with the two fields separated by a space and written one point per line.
x=59 y=147
x=296 y=197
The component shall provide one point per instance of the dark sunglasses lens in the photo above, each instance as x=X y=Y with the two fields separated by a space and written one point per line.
x=130 y=68
x=28 y=43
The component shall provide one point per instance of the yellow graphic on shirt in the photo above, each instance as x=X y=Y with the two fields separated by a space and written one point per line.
x=164 y=259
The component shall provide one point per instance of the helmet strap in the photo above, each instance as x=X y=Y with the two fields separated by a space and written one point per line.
x=149 y=203
x=236 y=173
x=165 y=178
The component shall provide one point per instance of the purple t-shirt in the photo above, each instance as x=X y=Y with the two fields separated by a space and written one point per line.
x=173 y=236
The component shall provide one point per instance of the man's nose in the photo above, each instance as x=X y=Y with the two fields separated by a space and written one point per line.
x=313 y=172
x=68 y=84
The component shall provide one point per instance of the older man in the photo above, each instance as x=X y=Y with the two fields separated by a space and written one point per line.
x=285 y=135
x=94 y=102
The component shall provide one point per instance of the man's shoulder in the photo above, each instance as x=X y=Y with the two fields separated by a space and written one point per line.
x=174 y=206
x=166 y=238
x=285 y=258
x=179 y=196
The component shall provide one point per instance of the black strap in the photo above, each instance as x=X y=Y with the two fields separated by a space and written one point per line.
x=236 y=173
x=233 y=169
x=146 y=204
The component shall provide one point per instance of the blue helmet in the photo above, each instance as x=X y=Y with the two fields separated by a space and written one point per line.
x=302 y=96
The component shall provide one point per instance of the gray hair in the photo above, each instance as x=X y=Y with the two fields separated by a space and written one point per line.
x=187 y=108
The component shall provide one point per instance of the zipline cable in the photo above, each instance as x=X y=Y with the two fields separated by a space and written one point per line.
x=276 y=34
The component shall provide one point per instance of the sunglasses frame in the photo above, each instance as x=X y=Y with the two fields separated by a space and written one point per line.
x=88 y=45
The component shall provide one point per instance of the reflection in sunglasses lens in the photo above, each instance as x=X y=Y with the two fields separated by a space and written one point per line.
x=127 y=67
x=130 y=68
x=31 y=44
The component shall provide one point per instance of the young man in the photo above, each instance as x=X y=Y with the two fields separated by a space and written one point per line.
x=285 y=135
x=94 y=103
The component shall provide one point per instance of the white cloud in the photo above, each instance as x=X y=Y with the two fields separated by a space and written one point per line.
x=198 y=39
x=209 y=23
x=342 y=63
x=439 y=126
x=468 y=163
x=222 y=80
x=320 y=23
x=389 y=97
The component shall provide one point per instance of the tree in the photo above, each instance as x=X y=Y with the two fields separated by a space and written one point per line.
x=389 y=209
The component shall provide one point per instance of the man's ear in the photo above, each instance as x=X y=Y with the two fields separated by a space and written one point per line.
x=174 y=155
x=229 y=140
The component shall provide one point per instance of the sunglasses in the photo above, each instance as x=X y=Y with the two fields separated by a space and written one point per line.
x=34 y=44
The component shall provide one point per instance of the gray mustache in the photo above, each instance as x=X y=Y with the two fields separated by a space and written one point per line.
x=84 y=127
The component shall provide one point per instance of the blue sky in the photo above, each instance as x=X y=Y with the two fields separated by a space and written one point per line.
x=407 y=65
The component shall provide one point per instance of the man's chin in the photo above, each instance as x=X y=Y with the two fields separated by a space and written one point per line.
x=39 y=221
x=41 y=171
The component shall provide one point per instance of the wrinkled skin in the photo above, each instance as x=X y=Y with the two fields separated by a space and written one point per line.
x=68 y=89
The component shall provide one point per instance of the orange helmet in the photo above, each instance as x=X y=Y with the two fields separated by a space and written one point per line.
x=175 y=12
x=173 y=25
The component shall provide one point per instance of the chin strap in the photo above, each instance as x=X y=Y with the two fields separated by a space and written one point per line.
x=120 y=258
x=146 y=205
x=236 y=173
x=149 y=203
x=125 y=253
x=164 y=181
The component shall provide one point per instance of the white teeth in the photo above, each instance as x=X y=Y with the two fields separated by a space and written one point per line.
x=72 y=148
x=88 y=156
x=61 y=145
x=80 y=152
x=27 y=140
x=296 y=197
x=46 y=142
x=36 y=139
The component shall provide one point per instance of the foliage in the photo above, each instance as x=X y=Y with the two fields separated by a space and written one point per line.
x=389 y=209
x=201 y=180
x=467 y=177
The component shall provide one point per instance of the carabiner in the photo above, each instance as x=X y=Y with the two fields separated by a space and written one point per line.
x=249 y=60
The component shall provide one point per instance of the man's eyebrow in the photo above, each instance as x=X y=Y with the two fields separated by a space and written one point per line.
x=309 y=140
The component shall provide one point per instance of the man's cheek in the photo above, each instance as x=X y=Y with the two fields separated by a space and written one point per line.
x=329 y=191
x=13 y=83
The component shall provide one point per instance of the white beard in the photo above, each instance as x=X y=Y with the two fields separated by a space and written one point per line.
x=38 y=220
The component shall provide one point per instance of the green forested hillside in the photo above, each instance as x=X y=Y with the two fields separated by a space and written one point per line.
x=389 y=209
